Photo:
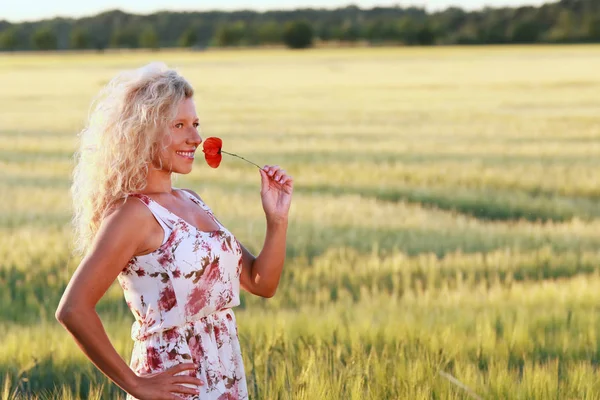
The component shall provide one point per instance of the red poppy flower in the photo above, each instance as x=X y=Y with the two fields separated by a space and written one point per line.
x=212 y=151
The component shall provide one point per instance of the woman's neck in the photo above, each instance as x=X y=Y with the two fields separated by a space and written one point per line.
x=158 y=181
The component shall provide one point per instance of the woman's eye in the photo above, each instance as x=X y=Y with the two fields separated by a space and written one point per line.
x=179 y=125
x=196 y=124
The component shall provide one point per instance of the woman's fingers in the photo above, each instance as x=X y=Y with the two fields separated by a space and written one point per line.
x=270 y=169
x=183 y=389
x=176 y=380
x=187 y=379
x=173 y=380
x=181 y=367
x=277 y=174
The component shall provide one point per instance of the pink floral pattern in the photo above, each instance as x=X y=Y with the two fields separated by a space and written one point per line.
x=181 y=296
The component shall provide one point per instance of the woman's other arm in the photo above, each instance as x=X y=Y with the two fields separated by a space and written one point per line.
x=261 y=274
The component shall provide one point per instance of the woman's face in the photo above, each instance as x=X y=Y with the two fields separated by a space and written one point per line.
x=178 y=156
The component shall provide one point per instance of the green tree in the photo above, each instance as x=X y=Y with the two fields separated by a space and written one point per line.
x=425 y=35
x=564 y=28
x=390 y=32
x=350 y=32
x=298 y=34
x=493 y=29
x=249 y=35
x=80 y=39
x=269 y=33
x=558 y=21
x=408 y=30
x=468 y=34
x=323 y=31
x=230 y=34
x=9 y=39
x=374 y=31
x=591 y=27
x=452 y=19
x=188 y=38
x=44 y=39
x=148 y=38
x=526 y=30
x=381 y=30
x=124 y=38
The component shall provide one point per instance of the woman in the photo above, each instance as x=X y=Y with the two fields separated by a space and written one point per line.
x=180 y=269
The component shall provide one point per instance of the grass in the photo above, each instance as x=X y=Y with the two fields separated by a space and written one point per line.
x=444 y=230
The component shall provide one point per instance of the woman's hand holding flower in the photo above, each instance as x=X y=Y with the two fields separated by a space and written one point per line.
x=276 y=185
x=276 y=192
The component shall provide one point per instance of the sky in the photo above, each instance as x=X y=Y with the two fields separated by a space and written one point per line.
x=30 y=10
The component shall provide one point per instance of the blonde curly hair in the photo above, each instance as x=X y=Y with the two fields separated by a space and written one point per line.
x=127 y=126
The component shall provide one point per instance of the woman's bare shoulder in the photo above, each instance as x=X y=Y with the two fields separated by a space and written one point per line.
x=122 y=234
x=129 y=209
x=129 y=220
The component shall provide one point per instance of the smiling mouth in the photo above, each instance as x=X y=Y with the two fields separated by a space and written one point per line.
x=186 y=154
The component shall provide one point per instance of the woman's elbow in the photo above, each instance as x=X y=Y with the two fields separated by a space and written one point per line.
x=267 y=293
x=261 y=291
x=63 y=313
x=66 y=313
x=61 y=317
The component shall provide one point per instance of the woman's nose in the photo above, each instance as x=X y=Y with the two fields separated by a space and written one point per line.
x=195 y=137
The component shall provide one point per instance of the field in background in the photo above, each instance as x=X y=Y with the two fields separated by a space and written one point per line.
x=446 y=219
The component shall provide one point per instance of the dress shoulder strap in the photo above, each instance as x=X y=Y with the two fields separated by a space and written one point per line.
x=157 y=210
x=197 y=201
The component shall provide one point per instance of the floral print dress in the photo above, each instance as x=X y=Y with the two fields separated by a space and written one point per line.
x=181 y=296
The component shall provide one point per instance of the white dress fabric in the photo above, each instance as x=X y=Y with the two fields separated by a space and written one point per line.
x=181 y=296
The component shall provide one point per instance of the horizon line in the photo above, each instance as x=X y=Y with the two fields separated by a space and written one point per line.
x=233 y=10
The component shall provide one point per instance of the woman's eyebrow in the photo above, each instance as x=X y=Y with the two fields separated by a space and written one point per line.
x=185 y=119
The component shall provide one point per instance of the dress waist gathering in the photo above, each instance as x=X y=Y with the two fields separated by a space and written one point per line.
x=141 y=331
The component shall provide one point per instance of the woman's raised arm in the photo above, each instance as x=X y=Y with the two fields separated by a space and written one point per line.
x=260 y=275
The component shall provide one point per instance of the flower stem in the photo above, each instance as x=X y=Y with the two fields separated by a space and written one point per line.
x=235 y=155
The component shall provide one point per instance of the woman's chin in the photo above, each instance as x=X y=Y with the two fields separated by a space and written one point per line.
x=183 y=169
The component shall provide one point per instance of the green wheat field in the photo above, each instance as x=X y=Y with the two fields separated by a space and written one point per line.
x=444 y=238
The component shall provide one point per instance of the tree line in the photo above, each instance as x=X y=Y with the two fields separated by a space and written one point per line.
x=565 y=21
